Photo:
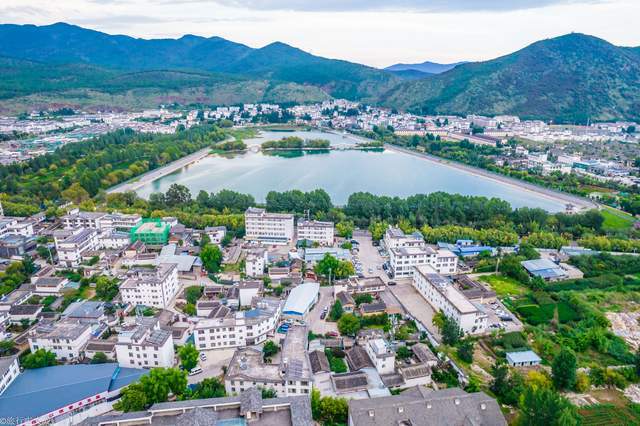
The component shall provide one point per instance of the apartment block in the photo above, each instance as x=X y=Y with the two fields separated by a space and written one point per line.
x=224 y=328
x=272 y=228
x=443 y=296
x=65 y=338
x=404 y=259
x=291 y=377
x=72 y=243
x=145 y=345
x=151 y=286
x=316 y=231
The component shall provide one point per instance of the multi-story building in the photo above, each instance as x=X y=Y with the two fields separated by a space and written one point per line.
x=72 y=243
x=395 y=237
x=9 y=370
x=145 y=345
x=292 y=376
x=402 y=260
x=255 y=262
x=151 y=286
x=381 y=355
x=223 y=328
x=151 y=232
x=443 y=296
x=80 y=219
x=120 y=222
x=272 y=228
x=316 y=231
x=216 y=233
x=65 y=338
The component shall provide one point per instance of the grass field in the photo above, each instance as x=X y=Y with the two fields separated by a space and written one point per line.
x=617 y=220
x=504 y=286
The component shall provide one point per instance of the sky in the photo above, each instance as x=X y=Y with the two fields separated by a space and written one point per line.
x=373 y=32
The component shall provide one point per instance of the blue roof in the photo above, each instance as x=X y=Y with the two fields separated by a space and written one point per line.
x=543 y=268
x=37 y=392
x=301 y=298
x=523 y=356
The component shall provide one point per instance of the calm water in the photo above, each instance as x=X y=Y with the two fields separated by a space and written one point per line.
x=340 y=173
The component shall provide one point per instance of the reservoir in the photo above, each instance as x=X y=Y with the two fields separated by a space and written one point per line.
x=340 y=173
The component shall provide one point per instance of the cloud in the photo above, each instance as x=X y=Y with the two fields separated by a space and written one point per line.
x=397 y=5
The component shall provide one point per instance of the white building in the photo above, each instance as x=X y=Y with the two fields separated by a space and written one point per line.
x=78 y=219
x=113 y=240
x=145 y=345
x=272 y=228
x=316 y=231
x=247 y=290
x=224 y=328
x=292 y=376
x=101 y=220
x=151 y=286
x=381 y=355
x=72 y=243
x=395 y=237
x=255 y=262
x=9 y=370
x=215 y=233
x=443 y=296
x=404 y=259
x=65 y=338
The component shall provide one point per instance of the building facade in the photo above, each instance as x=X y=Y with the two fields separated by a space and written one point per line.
x=272 y=228
x=151 y=286
x=145 y=345
x=65 y=338
x=443 y=296
x=316 y=231
x=72 y=243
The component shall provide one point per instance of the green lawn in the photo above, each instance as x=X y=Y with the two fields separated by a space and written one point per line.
x=504 y=286
x=616 y=220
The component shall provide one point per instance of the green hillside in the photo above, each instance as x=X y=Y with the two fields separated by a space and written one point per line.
x=573 y=78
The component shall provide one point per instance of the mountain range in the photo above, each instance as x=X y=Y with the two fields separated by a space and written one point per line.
x=425 y=67
x=570 y=78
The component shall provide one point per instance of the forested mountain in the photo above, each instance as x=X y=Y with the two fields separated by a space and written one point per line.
x=572 y=78
x=425 y=67
x=63 y=43
x=26 y=85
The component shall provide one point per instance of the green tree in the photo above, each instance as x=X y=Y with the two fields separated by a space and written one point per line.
x=345 y=229
x=542 y=406
x=404 y=352
x=210 y=387
x=269 y=349
x=363 y=298
x=378 y=230
x=106 y=289
x=38 y=359
x=328 y=410
x=133 y=399
x=161 y=381
x=99 y=358
x=268 y=393
x=211 y=256
x=465 y=350
x=75 y=193
x=193 y=293
x=349 y=324
x=188 y=356
x=336 y=311
x=563 y=369
x=449 y=328
x=177 y=195
x=6 y=347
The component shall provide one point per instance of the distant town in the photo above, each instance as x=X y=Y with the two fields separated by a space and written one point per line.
x=538 y=144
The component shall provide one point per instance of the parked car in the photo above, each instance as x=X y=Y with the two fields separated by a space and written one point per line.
x=392 y=283
x=203 y=357
x=195 y=370
x=332 y=334
x=323 y=315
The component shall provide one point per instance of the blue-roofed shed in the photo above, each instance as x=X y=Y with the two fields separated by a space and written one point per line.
x=49 y=392
x=523 y=359
x=545 y=269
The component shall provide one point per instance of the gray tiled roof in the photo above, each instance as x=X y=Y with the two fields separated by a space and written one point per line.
x=419 y=406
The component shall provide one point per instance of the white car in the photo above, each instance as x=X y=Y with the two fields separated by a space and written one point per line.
x=195 y=370
x=203 y=357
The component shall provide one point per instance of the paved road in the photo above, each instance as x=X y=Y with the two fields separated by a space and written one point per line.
x=152 y=175
x=317 y=325
x=370 y=258
x=415 y=304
